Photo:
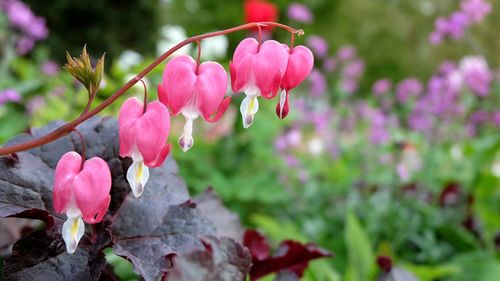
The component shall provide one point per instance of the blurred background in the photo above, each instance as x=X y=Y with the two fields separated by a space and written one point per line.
x=391 y=149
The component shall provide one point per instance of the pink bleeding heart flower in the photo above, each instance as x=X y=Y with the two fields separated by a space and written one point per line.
x=300 y=64
x=257 y=71
x=80 y=191
x=143 y=137
x=194 y=90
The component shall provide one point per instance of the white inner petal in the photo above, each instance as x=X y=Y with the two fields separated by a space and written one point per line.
x=282 y=101
x=72 y=231
x=186 y=140
x=249 y=107
x=137 y=175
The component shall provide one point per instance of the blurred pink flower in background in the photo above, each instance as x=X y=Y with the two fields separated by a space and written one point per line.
x=410 y=87
x=475 y=10
x=476 y=74
x=9 y=95
x=318 y=45
x=31 y=27
x=381 y=86
x=318 y=84
x=346 y=53
x=454 y=26
x=50 y=68
x=300 y=13
x=329 y=64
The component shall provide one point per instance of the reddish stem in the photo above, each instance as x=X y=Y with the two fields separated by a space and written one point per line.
x=198 y=59
x=68 y=127
x=145 y=96
x=83 y=148
x=259 y=37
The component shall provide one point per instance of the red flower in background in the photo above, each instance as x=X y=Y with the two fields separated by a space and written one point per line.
x=260 y=10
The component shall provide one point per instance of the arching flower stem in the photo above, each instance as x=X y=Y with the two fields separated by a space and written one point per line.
x=68 y=127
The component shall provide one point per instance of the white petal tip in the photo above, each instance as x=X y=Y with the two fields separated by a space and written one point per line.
x=186 y=142
x=247 y=121
x=72 y=231
x=138 y=190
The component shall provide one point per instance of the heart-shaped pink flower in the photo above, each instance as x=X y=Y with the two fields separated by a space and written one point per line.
x=80 y=192
x=257 y=70
x=143 y=136
x=193 y=90
x=300 y=64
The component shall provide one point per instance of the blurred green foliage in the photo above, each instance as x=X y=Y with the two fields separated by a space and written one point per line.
x=110 y=26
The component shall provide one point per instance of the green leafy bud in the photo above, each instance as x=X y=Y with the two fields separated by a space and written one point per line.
x=82 y=70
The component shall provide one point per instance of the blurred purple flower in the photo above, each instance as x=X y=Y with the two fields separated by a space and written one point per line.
x=379 y=135
x=318 y=45
x=496 y=118
x=24 y=45
x=381 y=86
x=292 y=161
x=420 y=121
x=476 y=74
x=435 y=38
x=410 y=87
x=330 y=64
x=318 y=83
x=346 y=53
x=475 y=10
x=300 y=13
x=349 y=85
x=280 y=143
x=479 y=117
x=18 y=13
x=354 y=69
x=457 y=24
x=38 y=29
x=50 y=68
x=35 y=103
x=9 y=95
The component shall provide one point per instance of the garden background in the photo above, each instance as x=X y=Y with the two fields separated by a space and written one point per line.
x=391 y=148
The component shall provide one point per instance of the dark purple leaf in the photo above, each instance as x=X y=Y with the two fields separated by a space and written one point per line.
x=148 y=231
x=226 y=222
x=221 y=260
x=26 y=180
x=291 y=256
x=162 y=222
x=257 y=245
x=41 y=255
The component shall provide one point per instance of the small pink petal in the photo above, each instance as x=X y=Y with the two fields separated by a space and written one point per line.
x=67 y=168
x=152 y=132
x=91 y=189
x=211 y=87
x=300 y=64
x=269 y=65
x=130 y=111
x=179 y=81
x=223 y=106
x=240 y=66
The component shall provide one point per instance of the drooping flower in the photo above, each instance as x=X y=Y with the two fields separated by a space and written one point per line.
x=257 y=70
x=143 y=137
x=300 y=64
x=80 y=192
x=194 y=90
